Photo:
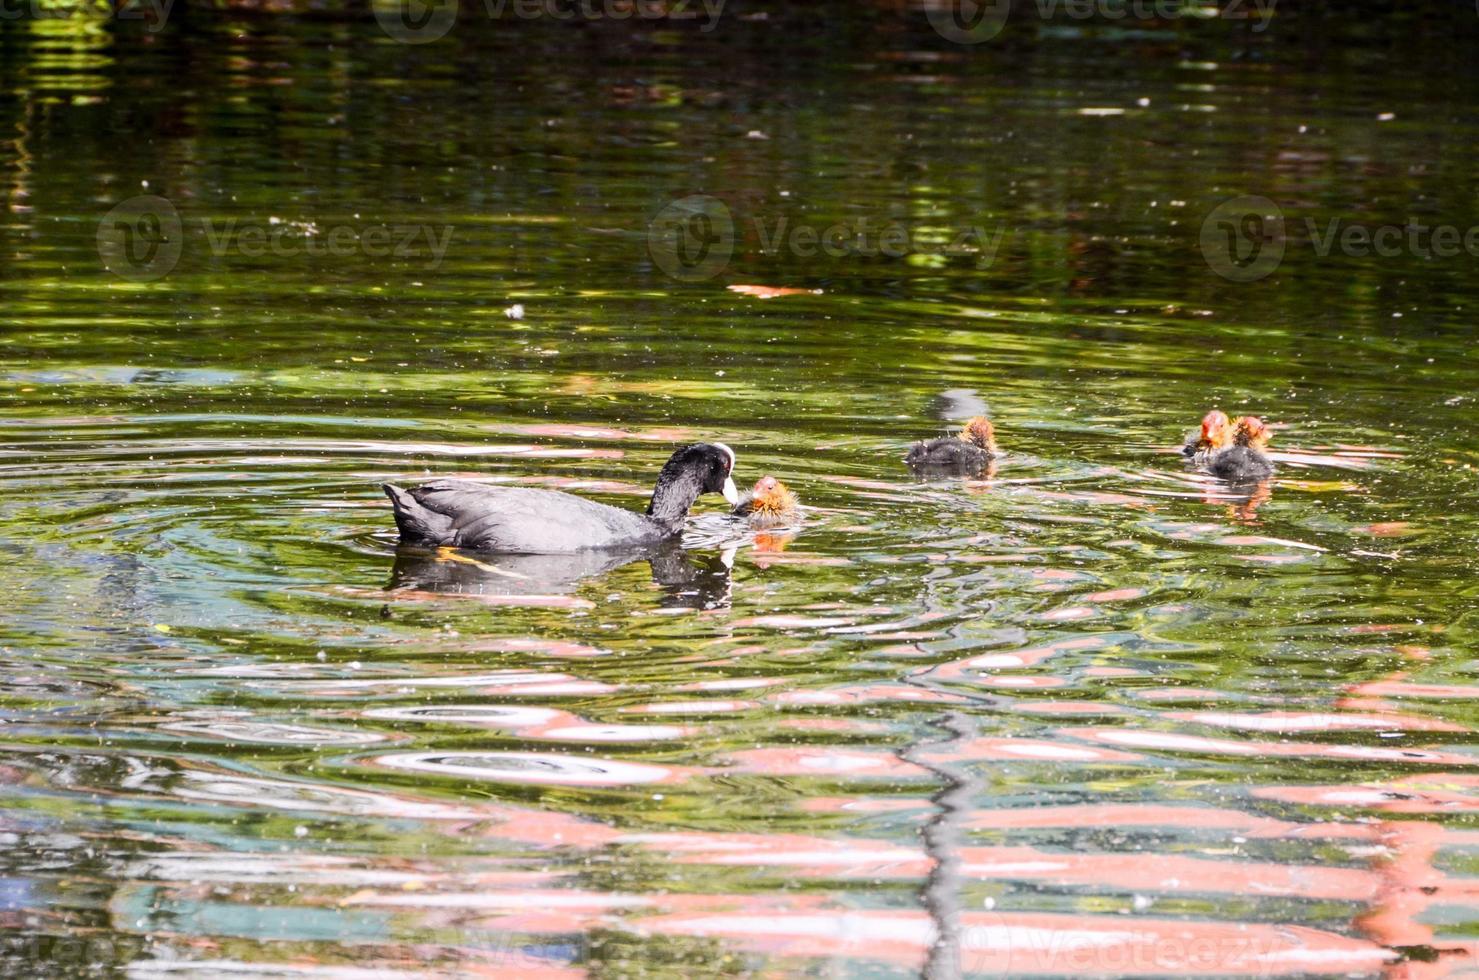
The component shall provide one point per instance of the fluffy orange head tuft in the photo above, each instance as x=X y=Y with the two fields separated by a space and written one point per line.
x=770 y=498
x=1252 y=431
x=1217 y=430
x=980 y=433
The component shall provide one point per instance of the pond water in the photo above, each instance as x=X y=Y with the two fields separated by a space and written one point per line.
x=1090 y=714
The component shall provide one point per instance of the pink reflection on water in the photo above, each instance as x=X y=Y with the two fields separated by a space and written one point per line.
x=864 y=694
x=1040 y=943
x=528 y=644
x=490 y=683
x=964 y=670
x=817 y=857
x=1443 y=792
x=1403 y=689
x=1067 y=708
x=1159 y=815
x=529 y=722
x=1029 y=750
x=731 y=683
x=689 y=707
x=853 y=764
x=533 y=768
x=1173 y=742
x=1315 y=721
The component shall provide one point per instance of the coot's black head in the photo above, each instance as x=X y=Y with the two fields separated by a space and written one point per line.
x=704 y=467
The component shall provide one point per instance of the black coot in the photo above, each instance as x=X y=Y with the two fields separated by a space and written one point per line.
x=523 y=520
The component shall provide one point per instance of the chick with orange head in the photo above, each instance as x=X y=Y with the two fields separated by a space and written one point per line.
x=1250 y=430
x=769 y=504
x=1215 y=435
x=1244 y=461
x=967 y=453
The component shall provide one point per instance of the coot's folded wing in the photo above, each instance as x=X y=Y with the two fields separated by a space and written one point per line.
x=527 y=520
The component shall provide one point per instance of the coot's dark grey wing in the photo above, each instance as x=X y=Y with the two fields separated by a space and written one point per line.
x=467 y=514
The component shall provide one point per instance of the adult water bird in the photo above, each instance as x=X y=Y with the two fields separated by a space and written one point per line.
x=524 y=520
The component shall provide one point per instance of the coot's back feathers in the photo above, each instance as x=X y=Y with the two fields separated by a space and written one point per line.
x=524 y=520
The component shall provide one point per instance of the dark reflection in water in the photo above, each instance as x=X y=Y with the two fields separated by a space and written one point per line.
x=687 y=579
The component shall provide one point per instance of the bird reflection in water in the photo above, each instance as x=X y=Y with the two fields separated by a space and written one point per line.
x=1242 y=500
x=689 y=580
